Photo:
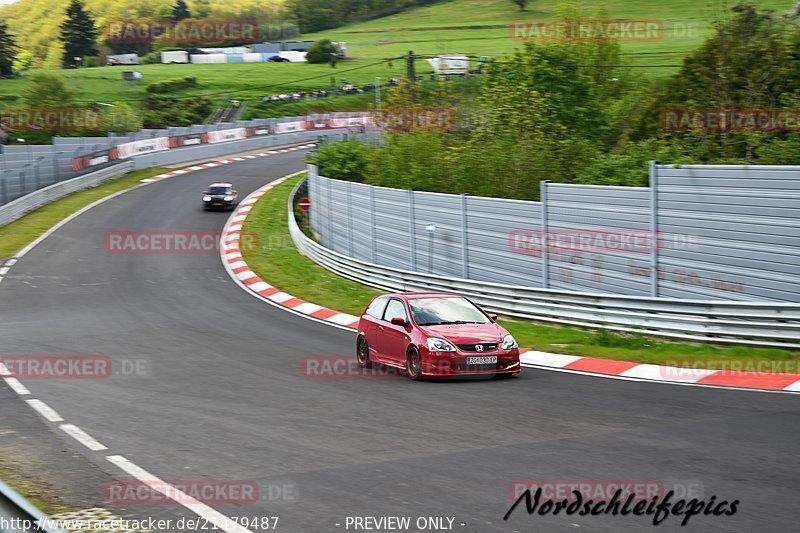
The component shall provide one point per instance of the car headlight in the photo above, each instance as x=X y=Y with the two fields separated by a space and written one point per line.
x=228 y=198
x=509 y=343
x=440 y=345
x=206 y=198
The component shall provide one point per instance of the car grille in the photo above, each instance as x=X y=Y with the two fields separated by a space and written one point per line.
x=487 y=347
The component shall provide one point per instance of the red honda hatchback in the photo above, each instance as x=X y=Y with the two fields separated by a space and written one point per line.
x=434 y=335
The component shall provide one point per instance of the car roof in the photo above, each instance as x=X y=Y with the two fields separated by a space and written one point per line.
x=421 y=294
x=221 y=184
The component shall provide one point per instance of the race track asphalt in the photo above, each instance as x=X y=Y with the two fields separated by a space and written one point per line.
x=225 y=398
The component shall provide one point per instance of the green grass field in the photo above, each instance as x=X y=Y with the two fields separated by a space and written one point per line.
x=473 y=27
x=279 y=263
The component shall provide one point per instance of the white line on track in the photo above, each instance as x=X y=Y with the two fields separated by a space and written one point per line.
x=16 y=386
x=45 y=410
x=81 y=436
x=216 y=518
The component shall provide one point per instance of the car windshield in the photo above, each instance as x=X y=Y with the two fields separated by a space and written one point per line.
x=219 y=190
x=445 y=310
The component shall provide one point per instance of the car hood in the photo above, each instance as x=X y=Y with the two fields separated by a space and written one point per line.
x=466 y=333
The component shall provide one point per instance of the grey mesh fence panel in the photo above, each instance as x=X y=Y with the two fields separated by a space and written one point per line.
x=743 y=225
x=714 y=232
x=596 y=235
x=493 y=225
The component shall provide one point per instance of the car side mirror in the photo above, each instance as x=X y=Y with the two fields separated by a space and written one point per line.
x=493 y=318
x=205 y=192
x=397 y=321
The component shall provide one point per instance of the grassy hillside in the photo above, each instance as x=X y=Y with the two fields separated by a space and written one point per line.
x=475 y=27
x=480 y=27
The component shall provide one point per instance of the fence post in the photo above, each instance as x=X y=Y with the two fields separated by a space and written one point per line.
x=350 y=218
x=413 y=244
x=545 y=235
x=328 y=187
x=654 y=230
x=372 y=227
x=464 y=237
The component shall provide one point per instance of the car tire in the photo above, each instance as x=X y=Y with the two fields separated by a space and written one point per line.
x=413 y=364
x=362 y=352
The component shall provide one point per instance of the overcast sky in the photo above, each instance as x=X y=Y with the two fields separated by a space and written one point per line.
x=3 y=2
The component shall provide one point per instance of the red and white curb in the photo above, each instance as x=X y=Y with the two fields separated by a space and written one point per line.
x=212 y=164
x=243 y=275
x=249 y=280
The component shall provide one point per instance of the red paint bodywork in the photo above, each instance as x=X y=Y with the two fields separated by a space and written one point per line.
x=389 y=343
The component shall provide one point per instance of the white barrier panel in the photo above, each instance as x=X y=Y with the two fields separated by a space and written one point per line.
x=226 y=135
x=286 y=127
x=145 y=146
x=253 y=58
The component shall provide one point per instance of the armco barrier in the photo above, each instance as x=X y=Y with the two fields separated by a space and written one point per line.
x=14 y=210
x=25 y=169
x=20 y=515
x=766 y=324
x=17 y=208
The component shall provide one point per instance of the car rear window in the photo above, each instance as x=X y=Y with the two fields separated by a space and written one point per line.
x=377 y=307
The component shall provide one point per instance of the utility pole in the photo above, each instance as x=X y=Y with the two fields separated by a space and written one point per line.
x=411 y=74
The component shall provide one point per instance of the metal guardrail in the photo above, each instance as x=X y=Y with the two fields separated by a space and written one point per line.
x=754 y=323
x=17 y=515
x=17 y=208
x=25 y=204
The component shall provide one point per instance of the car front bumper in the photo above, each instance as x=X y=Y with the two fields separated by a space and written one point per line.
x=448 y=364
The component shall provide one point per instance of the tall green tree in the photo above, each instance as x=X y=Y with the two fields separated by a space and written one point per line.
x=8 y=50
x=78 y=33
x=180 y=11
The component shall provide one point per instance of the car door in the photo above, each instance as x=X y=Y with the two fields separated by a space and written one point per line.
x=393 y=338
x=372 y=318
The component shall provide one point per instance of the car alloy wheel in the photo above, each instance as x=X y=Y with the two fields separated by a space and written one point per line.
x=362 y=352
x=414 y=364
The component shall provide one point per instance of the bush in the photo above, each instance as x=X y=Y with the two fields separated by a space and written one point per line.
x=320 y=51
x=161 y=111
x=173 y=85
x=344 y=160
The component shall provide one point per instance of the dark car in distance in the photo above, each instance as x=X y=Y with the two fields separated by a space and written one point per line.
x=220 y=196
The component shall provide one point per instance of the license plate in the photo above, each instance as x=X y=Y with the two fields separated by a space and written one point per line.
x=483 y=360
x=217 y=203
